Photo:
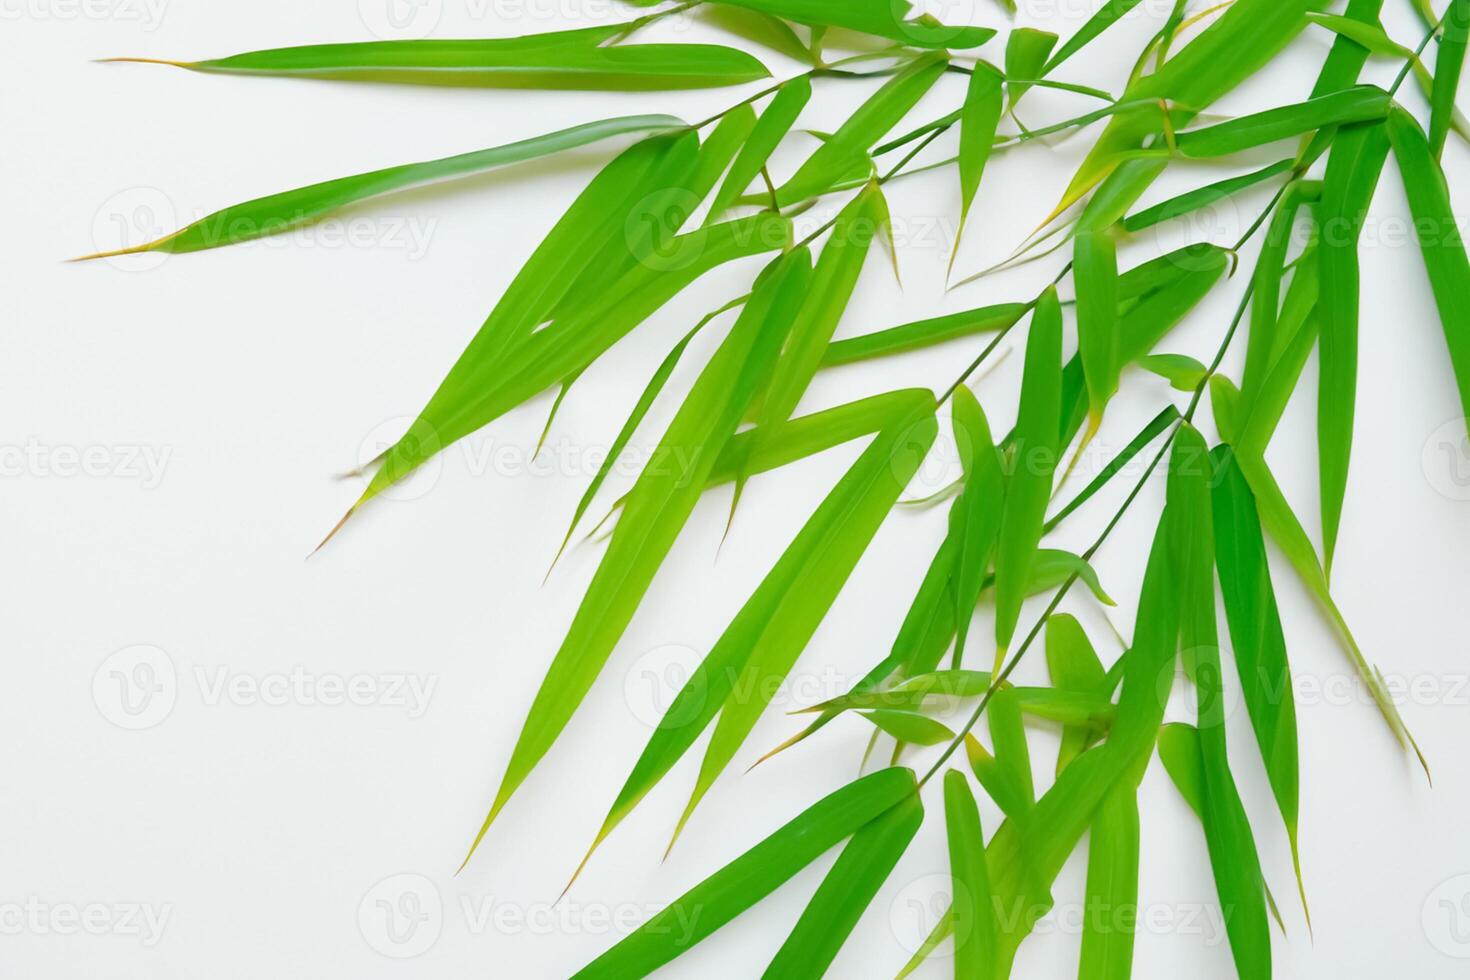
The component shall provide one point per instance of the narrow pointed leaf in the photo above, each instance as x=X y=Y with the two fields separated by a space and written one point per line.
x=1095 y=266
x=1026 y=52
x=976 y=515
x=1448 y=68
x=656 y=511
x=1363 y=103
x=1357 y=158
x=1073 y=666
x=832 y=161
x=1033 y=460
x=560 y=60
x=979 y=119
x=278 y=213
x=861 y=869
x=972 y=910
x=772 y=126
x=1112 y=888
x=719 y=899
x=881 y=18
x=1195 y=200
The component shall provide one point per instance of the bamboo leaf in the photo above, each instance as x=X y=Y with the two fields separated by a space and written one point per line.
x=1106 y=16
x=1447 y=70
x=1095 y=267
x=973 y=912
x=1183 y=372
x=774 y=626
x=881 y=18
x=909 y=726
x=976 y=515
x=923 y=333
x=1026 y=53
x=1233 y=855
x=277 y=213
x=1112 y=888
x=1073 y=666
x=1033 y=461
x=657 y=509
x=1440 y=239
x=1192 y=201
x=1167 y=416
x=979 y=119
x=560 y=60
x=1357 y=158
x=723 y=896
x=833 y=160
x=862 y=867
x=774 y=123
x=1257 y=639
x=1363 y=103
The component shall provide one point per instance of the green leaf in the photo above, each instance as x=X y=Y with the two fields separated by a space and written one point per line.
x=1033 y=460
x=1257 y=638
x=1025 y=856
x=635 y=418
x=831 y=289
x=972 y=912
x=1073 y=666
x=1112 y=888
x=1183 y=372
x=881 y=18
x=1447 y=70
x=1167 y=416
x=774 y=123
x=468 y=399
x=656 y=511
x=862 y=867
x=835 y=158
x=1052 y=567
x=770 y=631
x=979 y=119
x=277 y=213
x=1363 y=103
x=1266 y=286
x=1232 y=49
x=1106 y=16
x=1203 y=197
x=924 y=333
x=720 y=898
x=976 y=515
x=1357 y=158
x=1233 y=854
x=1026 y=52
x=909 y=726
x=1095 y=268
x=559 y=60
x=1440 y=239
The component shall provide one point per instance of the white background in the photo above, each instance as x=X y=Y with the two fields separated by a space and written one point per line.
x=214 y=397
